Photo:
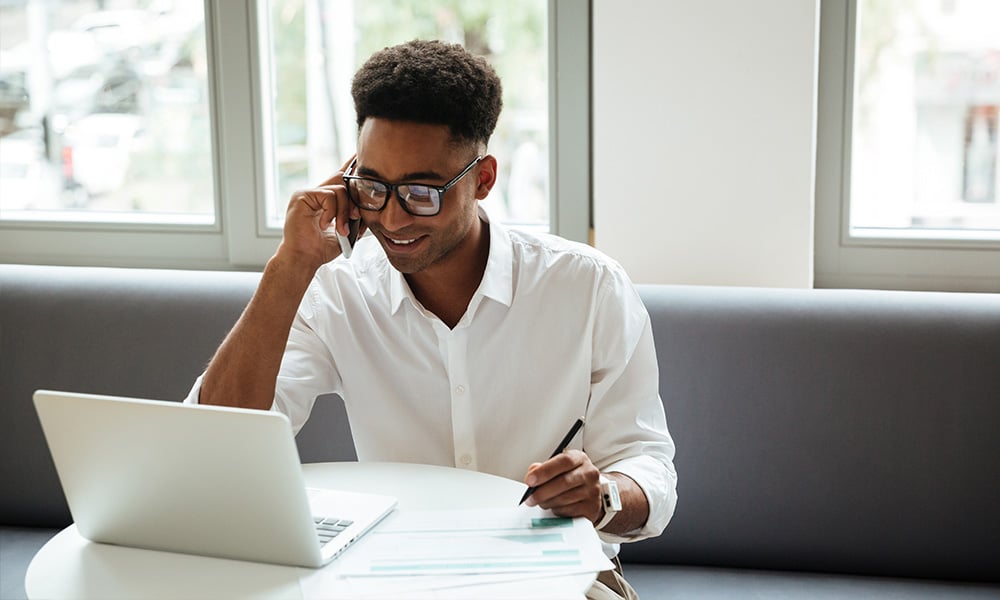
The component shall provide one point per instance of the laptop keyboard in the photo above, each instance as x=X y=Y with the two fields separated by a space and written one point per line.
x=328 y=528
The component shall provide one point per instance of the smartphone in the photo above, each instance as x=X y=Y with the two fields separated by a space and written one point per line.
x=347 y=242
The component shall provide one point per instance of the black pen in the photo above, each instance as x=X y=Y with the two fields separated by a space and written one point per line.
x=562 y=446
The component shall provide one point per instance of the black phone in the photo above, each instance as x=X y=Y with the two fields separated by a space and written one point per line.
x=347 y=242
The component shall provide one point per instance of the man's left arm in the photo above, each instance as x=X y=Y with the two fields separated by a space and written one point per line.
x=626 y=437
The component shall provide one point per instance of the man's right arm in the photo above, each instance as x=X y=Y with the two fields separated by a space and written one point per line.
x=245 y=368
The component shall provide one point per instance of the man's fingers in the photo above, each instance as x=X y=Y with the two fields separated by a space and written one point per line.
x=334 y=203
x=531 y=478
x=577 y=509
x=568 y=496
x=317 y=203
x=345 y=212
x=567 y=484
x=343 y=207
x=539 y=473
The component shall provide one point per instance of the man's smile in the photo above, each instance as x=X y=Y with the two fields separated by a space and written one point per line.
x=402 y=244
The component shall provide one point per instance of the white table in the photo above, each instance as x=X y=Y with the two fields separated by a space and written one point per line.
x=69 y=566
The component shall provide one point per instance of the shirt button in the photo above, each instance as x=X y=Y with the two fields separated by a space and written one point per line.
x=465 y=460
x=460 y=389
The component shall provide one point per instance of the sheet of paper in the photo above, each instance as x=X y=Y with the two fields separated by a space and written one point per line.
x=524 y=550
x=475 y=542
x=456 y=587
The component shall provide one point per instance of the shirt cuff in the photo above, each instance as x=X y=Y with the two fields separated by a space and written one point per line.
x=195 y=393
x=659 y=483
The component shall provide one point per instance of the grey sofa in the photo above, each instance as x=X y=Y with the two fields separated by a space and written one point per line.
x=830 y=444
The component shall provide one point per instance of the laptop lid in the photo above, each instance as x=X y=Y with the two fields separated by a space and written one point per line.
x=207 y=480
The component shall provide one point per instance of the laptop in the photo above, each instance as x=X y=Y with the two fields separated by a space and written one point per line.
x=213 y=481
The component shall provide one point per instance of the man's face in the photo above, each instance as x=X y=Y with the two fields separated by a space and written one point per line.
x=406 y=152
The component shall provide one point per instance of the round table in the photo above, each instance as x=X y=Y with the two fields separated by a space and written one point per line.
x=69 y=566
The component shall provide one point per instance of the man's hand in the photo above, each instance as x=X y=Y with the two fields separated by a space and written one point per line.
x=245 y=368
x=568 y=485
x=307 y=233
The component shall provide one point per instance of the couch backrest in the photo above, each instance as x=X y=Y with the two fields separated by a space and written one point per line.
x=842 y=431
x=831 y=430
x=126 y=332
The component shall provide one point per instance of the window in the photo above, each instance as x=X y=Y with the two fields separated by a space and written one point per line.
x=908 y=161
x=924 y=143
x=315 y=48
x=104 y=114
x=201 y=118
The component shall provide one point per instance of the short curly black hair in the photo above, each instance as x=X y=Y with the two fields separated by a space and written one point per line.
x=430 y=82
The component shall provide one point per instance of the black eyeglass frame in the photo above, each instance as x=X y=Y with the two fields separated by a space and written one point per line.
x=393 y=189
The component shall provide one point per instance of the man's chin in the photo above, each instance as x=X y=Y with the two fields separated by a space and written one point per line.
x=406 y=266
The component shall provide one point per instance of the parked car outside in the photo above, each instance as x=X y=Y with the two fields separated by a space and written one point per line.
x=97 y=151
x=27 y=181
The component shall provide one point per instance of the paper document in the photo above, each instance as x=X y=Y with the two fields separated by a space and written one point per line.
x=473 y=542
x=438 y=549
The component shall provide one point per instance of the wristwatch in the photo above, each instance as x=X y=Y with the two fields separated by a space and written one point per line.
x=611 y=500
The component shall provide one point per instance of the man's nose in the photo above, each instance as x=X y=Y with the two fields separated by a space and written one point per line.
x=394 y=217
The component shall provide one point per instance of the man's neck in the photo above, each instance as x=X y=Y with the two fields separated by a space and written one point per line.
x=446 y=289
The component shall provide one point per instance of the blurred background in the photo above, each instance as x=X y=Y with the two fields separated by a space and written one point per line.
x=105 y=111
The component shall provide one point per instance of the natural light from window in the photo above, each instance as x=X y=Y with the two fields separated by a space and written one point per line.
x=925 y=157
x=104 y=112
x=316 y=46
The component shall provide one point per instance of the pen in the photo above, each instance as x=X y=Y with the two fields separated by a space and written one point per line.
x=562 y=446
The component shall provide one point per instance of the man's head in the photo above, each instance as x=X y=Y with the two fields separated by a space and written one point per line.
x=433 y=83
x=426 y=111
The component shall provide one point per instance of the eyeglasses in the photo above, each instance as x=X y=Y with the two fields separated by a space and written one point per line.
x=418 y=199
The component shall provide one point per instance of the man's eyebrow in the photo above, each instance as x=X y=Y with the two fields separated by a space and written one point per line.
x=415 y=176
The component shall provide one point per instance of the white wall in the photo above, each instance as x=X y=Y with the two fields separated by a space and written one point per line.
x=704 y=139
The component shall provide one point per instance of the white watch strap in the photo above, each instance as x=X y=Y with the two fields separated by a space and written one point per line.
x=608 y=515
x=611 y=500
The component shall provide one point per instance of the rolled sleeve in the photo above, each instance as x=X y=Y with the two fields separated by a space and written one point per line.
x=195 y=393
x=307 y=367
x=307 y=370
x=194 y=396
x=660 y=487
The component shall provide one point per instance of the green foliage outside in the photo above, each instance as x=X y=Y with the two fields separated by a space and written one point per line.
x=512 y=35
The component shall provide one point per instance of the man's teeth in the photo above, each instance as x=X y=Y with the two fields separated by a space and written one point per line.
x=402 y=242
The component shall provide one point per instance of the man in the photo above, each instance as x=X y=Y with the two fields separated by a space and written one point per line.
x=452 y=340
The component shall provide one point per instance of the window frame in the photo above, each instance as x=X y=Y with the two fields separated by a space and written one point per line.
x=844 y=260
x=240 y=238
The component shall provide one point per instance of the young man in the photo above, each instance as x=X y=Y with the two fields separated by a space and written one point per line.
x=452 y=340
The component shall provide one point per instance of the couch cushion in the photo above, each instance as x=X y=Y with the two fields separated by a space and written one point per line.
x=127 y=332
x=662 y=582
x=831 y=430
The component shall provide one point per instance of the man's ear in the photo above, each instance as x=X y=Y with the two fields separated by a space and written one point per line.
x=487 y=176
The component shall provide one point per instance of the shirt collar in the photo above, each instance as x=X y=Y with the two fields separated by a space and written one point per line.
x=498 y=280
x=497 y=283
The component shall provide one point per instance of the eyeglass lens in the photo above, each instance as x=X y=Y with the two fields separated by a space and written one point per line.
x=419 y=199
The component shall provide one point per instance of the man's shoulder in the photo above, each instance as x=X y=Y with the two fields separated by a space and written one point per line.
x=551 y=252
x=560 y=270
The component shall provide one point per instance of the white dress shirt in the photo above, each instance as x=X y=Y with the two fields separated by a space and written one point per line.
x=555 y=331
